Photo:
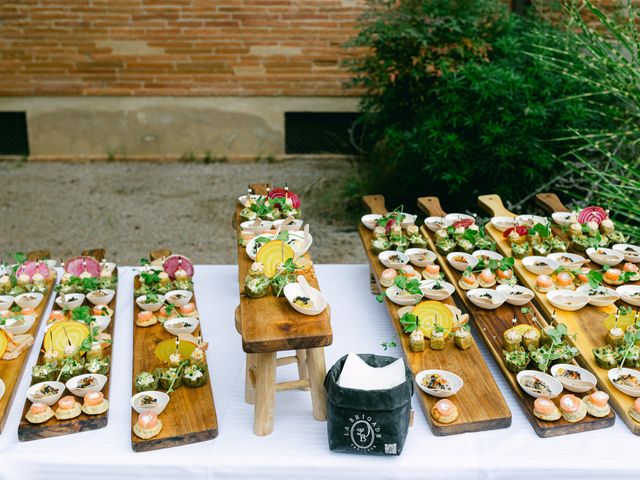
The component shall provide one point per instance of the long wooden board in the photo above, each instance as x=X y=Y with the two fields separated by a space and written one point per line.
x=11 y=370
x=83 y=423
x=587 y=323
x=480 y=403
x=190 y=416
x=492 y=324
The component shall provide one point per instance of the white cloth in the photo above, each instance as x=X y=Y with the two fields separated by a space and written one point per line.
x=297 y=449
x=359 y=375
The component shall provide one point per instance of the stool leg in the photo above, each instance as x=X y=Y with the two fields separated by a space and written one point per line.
x=373 y=284
x=317 y=372
x=303 y=371
x=249 y=382
x=265 y=393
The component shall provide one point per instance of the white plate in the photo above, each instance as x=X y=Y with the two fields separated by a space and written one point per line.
x=150 y=307
x=50 y=400
x=586 y=376
x=540 y=265
x=554 y=385
x=531 y=220
x=446 y=291
x=503 y=223
x=477 y=296
x=18 y=328
x=568 y=260
x=564 y=218
x=436 y=223
x=70 y=300
x=29 y=300
x=456 y=217
x=404 y=300
x=244 y=199
x=525 y=295
x=101 y=297
x=616 y=372
x=171 y=325
x=600 y=300
x=454 y=380
x=72 y=383
x=370 y=220
x=293 y=290
x=157 y=408
x=630 y=294
x=413 y=254
x=471 y=261
x=628 y=256
x=558 y=299
x=611 y=257
x=393 y=259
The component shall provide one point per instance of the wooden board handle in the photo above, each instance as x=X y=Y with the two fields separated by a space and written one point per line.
x=259 y=188
x=431 y=206
x=97 y=253
x=550 y=202
x=375 y=204
x=39 y=255
x=493 y=204
x=161 y=253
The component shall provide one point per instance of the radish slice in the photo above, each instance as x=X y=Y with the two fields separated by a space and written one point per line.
x=464 y=223
x=282 y=193
x=173 y=263
x=31 y=268
x=520 y=230
x=78 y=265
x=592 y=214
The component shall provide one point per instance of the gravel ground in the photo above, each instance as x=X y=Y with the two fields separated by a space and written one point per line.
x=130 y=208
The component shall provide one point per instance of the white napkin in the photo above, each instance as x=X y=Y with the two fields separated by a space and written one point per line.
x=359 y=375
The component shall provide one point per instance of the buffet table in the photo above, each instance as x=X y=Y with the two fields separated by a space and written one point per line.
x=298 y=446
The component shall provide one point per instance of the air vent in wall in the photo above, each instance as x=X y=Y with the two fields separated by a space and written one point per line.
x=319 y=132
x=13 y=133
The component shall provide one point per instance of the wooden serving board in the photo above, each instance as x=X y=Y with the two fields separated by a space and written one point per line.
x=11 y=370
x=83 y=423
x=492 y=324
x=269 y=324
x=587 y=323
x=480 y=403
x=190 y=416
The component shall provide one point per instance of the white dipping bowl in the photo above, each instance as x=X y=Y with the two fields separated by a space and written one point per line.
x=436 y=223
x=101 y=321
x=178 y=297
x=50 y=400
x=568 y=260
x=611 y=257
x=586 y=376
x=564 y=218
x=476 y=296
x=20 y=327
x=393 y=293
x=293 y=290
x=293 y=226
x=454 y=381
x=426 y=287
x=540 y=265
x=370 y=220
x=554 y=385
x=5 y=302
x=249 y=226
x=631 y=252
x=531 y=220
x=420 y=257
x=479 y=254
x=29 y=300
x=516 y=294
x=150 y=307
x=470 y=261
x=101 y=297
x=162 y=402
x=393 y=259
x=72 y=384
x=503 y=223
x=605 y=296
x=614 y=373
x=569 y=300
x=630 y=294
x=456 y=217
x=172 y=327
x=70 y=300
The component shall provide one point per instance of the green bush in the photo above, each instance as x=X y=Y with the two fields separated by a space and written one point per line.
x=454 y=105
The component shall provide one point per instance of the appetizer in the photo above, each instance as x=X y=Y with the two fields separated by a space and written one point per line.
x=597 y=404
x=68 y=408
x=634 y=412
x=95 y=403
x=39 y=413
x=546 y=410
x=444 y=411
x=147 y=426
x=436 y=382
x=573 y=409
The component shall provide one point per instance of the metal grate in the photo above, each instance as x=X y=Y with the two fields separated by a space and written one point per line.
x=319 y=132
x=13 y=133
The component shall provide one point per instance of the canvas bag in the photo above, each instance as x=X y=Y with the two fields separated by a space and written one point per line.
x=374 y=422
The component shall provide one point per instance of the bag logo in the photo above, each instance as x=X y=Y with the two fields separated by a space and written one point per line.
x=362 y=432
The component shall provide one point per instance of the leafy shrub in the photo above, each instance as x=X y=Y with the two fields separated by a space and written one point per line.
x=454 y=107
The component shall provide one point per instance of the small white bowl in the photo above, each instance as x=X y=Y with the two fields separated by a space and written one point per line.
x=554 y=385
x=487 y=253
x=494 y=298
x=5 y=302
x=564 y=218
x=616 y=372
x=628 y=251
x=293 y=290
x=531 y=220
x=630 y=294
x=29 y=300
x=393 y=293
x=49 y=400
x=101 y=321
x=408 y=220
x=470 y=260
x=568 y=260
x=101 y=297
x=456 y=217
x=244 y=199
x=516 y=294
x=178 y=297
x=608 y=257
x=249 y=226
x=393 y=259
x=587 y=380
x=150 y=307
x=108 y=268
x=70 y=300
x=157 y=408
x=455 y=382
x=370 y=220
x=503 y=223
x=436 y=223
x=569 y=300
x=19 y=327
x=72 y=384
x=172 y=327
x=420 y=257
x=426 y=287
x=540 y=265
x=293 y=226
x=600 y=297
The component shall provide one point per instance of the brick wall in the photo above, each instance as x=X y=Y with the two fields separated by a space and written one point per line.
x=174 y=47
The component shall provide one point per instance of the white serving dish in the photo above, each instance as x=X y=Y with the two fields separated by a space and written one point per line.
x=244 y=199
x=19 y=327
x=158 y=408
x=292 y=226
x=150 y=307
x=426 y=287
x=516 y=294
x=630 y=294
x=586 y=383
x=393 y=259
x=609 y=295
x=564 y=218
x=487 y=253
x=70 y=300
x=50 y=400
x=628 y=256
x=72 y=384
x=554 y=385
x=178 y=297
x=29 y=300
x=301 y=288
x=171 y=326
x=456 y=217
x=503 y=223
x=568 y=260
x=407 y=220
x=616 y=372
x=609 y=257
x=471 y=261
x=454 y=381
x=540 y=265
x=370 y=220
x=250 y=226
x=101 y=321
x=420 y=257
x=478 y=297
x=5 y=302
x=393 y=293
x=569 y=300
x=436 y=223
x=101 y=297
x=529 y=220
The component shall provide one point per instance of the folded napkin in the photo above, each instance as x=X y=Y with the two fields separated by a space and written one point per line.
x=359 y=375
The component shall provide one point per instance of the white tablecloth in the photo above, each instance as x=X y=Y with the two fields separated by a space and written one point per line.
x=298 y=446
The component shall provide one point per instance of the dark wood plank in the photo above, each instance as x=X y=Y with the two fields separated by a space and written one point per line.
x=492 y=324
x=480 y=403
x=587 y=323
x=269 y=324
x=190 y=416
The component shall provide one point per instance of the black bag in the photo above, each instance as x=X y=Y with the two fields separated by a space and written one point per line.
x=374 y=422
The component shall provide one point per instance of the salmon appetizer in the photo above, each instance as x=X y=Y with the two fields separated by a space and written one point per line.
x=545 y=409
x=431 y=272
x=582 y=275
x=505 y=276
x=612 y=276
x=68 y=408
x=468 y=281
x=487 y=278
x=572 y=408
x=39 y=413
x=147 y=426
x=388 y=277
x=598 y=404
x=95 y=403
x=188 y=309
x=146 y=319
x=444 y=411
x=564 y=280
x=544 y=283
